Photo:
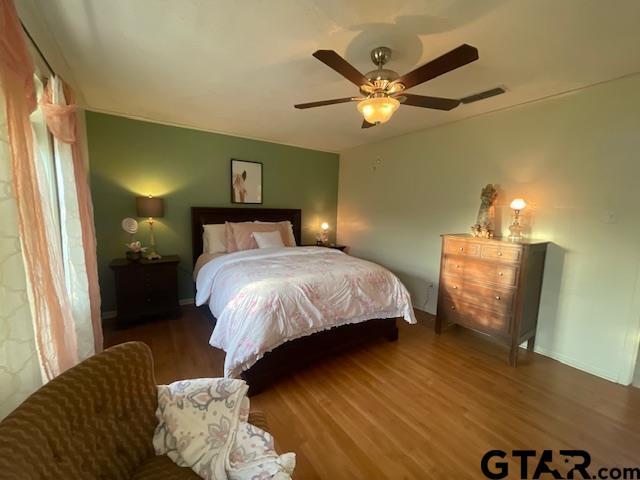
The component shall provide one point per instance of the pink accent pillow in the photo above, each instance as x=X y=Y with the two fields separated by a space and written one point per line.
x=230 y=238
x=286 y=231
x=243 y=230
x=287 y=235
x=242 y=238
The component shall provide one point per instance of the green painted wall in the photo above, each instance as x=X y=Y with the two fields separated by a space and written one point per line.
x=574 y=158
x=191 y=168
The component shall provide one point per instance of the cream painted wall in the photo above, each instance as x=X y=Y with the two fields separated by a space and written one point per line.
x=575 y=159
x=19 y=370
x=636 y=375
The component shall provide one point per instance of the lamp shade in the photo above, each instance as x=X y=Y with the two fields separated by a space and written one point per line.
x=152 y=207
x=518 y=204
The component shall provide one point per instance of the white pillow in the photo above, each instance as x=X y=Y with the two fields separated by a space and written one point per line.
x=268 y=239
x=292 y=237
x=214 y=239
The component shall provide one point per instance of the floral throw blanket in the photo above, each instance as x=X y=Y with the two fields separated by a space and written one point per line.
x=203 y=425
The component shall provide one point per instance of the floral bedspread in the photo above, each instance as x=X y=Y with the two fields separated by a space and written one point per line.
x=265 y=297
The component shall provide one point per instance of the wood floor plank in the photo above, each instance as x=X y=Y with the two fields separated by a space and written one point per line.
x=424 y=407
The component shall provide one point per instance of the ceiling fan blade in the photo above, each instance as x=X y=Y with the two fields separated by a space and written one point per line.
x=321 y=103
x=482 y=95
x=436 y=103
x=366 y=124
x=340 y=65
x=456 y=58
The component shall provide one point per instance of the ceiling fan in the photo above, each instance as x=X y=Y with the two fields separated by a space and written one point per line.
x=383 y=90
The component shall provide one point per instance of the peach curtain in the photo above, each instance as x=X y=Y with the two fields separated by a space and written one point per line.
x=75 y=197
x=53 y=322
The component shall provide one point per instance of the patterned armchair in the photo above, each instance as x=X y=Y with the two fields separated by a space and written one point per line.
x=96 y=420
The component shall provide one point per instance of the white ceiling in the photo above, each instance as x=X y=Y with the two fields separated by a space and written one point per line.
x=239 y=66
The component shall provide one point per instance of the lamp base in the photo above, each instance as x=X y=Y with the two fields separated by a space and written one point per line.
x=153 y=255
x=516 y=231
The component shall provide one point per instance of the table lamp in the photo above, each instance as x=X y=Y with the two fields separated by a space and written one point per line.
x=325 y=233
x=152 y=208
x=515 y=228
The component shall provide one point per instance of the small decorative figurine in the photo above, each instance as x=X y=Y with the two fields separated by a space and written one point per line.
x=485 y=223
x=134 y=248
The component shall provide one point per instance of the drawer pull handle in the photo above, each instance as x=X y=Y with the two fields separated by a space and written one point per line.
x=500 y=274
x=453 y=307
x=457 y=266
x=462 y=249
x=455 y=287
x=499 y=254
x=497 y=297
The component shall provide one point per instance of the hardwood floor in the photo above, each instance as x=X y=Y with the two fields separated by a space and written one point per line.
x=424 y=407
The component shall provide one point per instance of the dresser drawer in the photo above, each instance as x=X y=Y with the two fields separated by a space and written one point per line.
x=501 y=253
x=481 y=271
x=461 y=247
x=475 y=317
x=499 y=300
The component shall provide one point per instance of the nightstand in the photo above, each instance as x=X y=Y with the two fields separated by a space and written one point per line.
x=146 y=288
x=335 y=246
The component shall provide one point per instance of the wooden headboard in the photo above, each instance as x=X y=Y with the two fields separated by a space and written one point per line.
x=210 y=215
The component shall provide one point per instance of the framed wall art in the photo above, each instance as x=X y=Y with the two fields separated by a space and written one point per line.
x=246 y=181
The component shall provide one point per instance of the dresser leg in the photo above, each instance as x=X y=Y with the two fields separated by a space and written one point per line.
x=531 y=343
x=438 y=325
x=513 y=356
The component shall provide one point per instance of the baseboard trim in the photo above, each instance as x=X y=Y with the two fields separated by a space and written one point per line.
x=572 y=362
x=577 y=364
x=109 y=314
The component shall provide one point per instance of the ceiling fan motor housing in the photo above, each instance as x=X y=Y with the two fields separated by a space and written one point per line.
x=380 y=56
x=381 y=78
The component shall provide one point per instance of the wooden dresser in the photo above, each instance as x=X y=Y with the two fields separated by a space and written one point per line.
x=492 y=286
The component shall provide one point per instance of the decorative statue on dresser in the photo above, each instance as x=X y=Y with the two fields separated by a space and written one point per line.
x=485 y=223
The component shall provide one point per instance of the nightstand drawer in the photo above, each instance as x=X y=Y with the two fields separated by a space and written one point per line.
x=159 y=278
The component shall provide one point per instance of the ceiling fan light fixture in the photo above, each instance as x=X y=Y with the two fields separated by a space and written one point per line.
x=378 y=109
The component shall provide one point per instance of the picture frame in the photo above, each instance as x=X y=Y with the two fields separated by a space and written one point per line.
x=246 y=182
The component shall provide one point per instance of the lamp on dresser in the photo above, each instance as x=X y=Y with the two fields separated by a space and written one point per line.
x=492 y=286
x=517 y=205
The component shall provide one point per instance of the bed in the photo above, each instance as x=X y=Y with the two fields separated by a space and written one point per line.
x=272 y=304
